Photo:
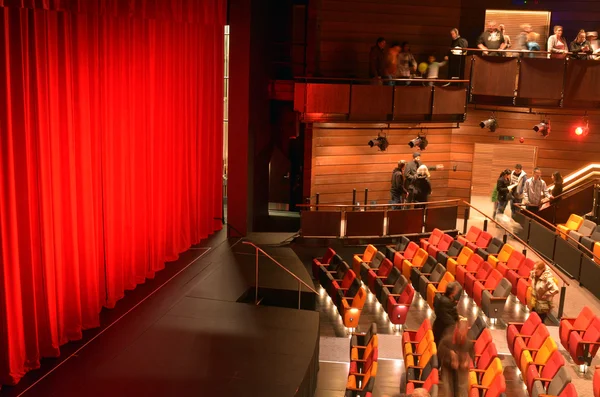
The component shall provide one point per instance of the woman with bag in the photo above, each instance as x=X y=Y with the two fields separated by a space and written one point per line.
x=544 y=289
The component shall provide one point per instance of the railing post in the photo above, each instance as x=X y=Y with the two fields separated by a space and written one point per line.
x=317 y=202
x=485 y=225
x=353 y=199
x=256 y=279
x=466 y=220
x=561 y=304
x=299 y=294
x=366 y=197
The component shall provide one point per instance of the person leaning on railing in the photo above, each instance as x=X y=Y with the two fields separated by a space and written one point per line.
x=580 y=47
x=491 y=39
x=535 y=192
x=557 y=44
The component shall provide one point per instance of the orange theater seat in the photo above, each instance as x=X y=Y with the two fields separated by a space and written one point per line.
x=417 y=261
x=434 y=289
x=470 y=237
x=597 y=252
x=574 y=223
x=462 y=260
x=366 y=257
x=502 y=256
x=433 y=239
x=537 y=357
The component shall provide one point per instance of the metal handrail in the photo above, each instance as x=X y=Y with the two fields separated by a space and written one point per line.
x=593 y=169
x=555 y=228
x=419 y=80
x=576 y=189
x=300 y=282
x=519 y=240
x=456 y=201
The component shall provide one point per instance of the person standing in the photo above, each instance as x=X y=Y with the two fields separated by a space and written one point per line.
x=377 y=60
x=557 y=44
x=446 y=314
x=390 y=70
x=455 y=352
x=491 y=39
x=410 y=175
x=558 y=187
x=455 y=57
x=535 y=192
x=522 y=38
x=544 y=289
x=421 y=186
x=517 y=178
x=406 y=62
x=502 y=185
x=580 y=47
x=398 y=190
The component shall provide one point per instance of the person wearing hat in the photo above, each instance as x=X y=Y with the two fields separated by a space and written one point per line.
x=517 y=182
x=592 y=38
x=410 y=175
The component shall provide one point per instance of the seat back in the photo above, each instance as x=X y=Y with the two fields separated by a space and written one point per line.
x=432 y=380
x=393 y=276
x=559 y=382
x=447 y=279
x=515 y=260
x=429 y=265
x=526 y=267
x=420 y=258
x=411 y=249
x=553 y=364
x=574 y=222
x=329 y=254
x=483 y=270
x=445 y=242
x=569 y=391
x=407 y=295
x=489 y=353
x=584 y=319
x=498 y=387
x=473 y=233
x=596 y=252
x=587 y=227
x=423 y=328
x=425 y=342
x=385 y=267
x=483 y=240
x=484 y=339
x=505 y=253
x=592 y=334
x=473 y=263
x=503 y=289
x=538 y=337
x=464 y=256
x=493 y=279
x=530 y=325
x=596 y=234
x=349 y=277
x=377 y=260
x=402 y=244
x=491 y=372
x=455 y=248
x=400 y=285
x=435 y=236
x=437 y=273
x=494 y=246
x=477 y=328
x=353 y=288
x=545 y=352
x=596 y=383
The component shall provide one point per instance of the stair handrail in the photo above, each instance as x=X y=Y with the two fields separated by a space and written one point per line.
x=594 y=168
x=576 y=189
x=300 y=281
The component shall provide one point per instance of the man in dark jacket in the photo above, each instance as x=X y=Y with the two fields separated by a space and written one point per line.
x=398 y=190
x=456 y=56
x=377 y=59
x=446 y=314
x=410 y=175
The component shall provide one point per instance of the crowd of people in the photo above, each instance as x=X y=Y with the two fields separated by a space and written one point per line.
x=410 y=182
x=396 y=61
x=515 y=188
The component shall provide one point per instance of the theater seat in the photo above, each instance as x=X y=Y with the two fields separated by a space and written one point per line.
x=470 y=278
x=496 y=388
x=523 y=271
x=453 y=251
x=492 y=304
x=408 y=253
x=462 y=260
x=596 y=382
x=482 y=241
x=477 y=328
x=426 y=269
x=538 y=357
x=414 y=374
x=367 y=256
x=389 y=282
x=493 y=248
x=324 y=260
x=327 y=274
x=524 y=291
x=502 y=256
x=433 y=239
x=373 y=265
x=417 y=261
x=351 y=308
x=514 y=261
x=525 y=329
x=470 y=237
x=577 y=324
x=596 y=252
x=588 y=242
x=363 y=338
x=398 y=305
x=412 y=353
x=585 y=230
x=435 y=277
x=583 y=346
x=443 y=246
x=533 y=342
x=482 y=362
x=573 y=223
x=360 y=352
x=484 y=350
x=489 y=284
x=548 y=371
x=430 y=384
x=434 y=289
x=362 y=382
x=400 y=246
x=472 y=266
x=381 y=272
x=415 y=336
x=484 y=379
x=553 y=387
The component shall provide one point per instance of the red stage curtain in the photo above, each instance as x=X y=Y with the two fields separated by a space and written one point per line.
x=110 y=157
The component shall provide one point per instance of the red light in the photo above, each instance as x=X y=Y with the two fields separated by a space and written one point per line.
x=579 y=131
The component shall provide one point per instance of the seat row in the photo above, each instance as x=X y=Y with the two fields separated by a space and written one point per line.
x=341 y=285
x=536 y=354
x=364 y=351
x=584 y=231
x=580 y=336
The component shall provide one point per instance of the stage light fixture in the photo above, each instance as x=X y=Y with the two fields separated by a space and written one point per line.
x=381 y=142
x=583 y=129
x=420 y=141
x=543 y=128
x=490 y=124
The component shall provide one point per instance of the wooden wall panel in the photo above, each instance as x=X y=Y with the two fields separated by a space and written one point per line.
x=348 y=28
x=342 y=160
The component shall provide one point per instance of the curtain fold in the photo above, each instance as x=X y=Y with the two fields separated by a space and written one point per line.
x=110 y=157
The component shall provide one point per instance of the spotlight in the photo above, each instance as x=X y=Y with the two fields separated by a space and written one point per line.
x=420 y=142
x=583 y=129
x=543 y=128
x=490 y=124
x=381 y=142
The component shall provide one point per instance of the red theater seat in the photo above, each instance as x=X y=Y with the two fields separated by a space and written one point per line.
x=482 y=241
x=514 y=261
x=495 y=389
x=531 y=343
x=415 y=336
x=324 y=260
x=482 y=273
x=443 y=246
x=482 y=342
x=539 y=372
x=596 y=382
x=433 y=239
x=490 y=284
x=583 y=346
x=578 y=324
x=409 y=253
x=399 y=304
x=472 y=266
x=470 y=237
x=525 y=329
x=381 y=272
x=522 y=272
x=430 y=384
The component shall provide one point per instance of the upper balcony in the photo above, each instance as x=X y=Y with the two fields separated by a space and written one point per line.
x=524 y=79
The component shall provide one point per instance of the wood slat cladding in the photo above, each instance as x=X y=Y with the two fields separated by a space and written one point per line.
x=342 y=160
x=348 y=28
